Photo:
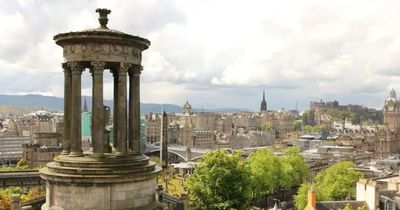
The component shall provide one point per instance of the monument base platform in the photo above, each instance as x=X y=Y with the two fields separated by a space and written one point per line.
x=106 y=183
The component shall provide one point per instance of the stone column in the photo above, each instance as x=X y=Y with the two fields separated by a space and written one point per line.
x=134 y=109
x=67 y=111
x=76 y=136
x=97 y=108
x=122 y=109
x=115 y=108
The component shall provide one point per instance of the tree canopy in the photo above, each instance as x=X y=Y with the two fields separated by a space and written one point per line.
x=267 y=127
x=295 y=166
x=335 y=183
x=270 y=172
x=338 y=181
x=266 y=172
x=224 y=181
x=220 y=182
x=297 y=125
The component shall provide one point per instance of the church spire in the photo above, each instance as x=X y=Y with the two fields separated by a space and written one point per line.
x=85 y=109
x=263 y=95
x=263 y=103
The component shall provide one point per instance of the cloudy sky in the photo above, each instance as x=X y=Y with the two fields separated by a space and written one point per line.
x=219 y=53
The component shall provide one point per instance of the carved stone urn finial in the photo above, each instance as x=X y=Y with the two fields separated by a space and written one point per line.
x=103 y=16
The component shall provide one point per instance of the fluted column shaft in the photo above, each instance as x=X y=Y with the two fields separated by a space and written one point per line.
x=122 y=109
x=97 y=108
x=67 y=111
x=134 y=109
x=76 y=136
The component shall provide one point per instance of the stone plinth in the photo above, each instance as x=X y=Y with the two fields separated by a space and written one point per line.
x=107 y=183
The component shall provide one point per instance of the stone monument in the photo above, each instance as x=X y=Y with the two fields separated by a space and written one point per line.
x=122 y=179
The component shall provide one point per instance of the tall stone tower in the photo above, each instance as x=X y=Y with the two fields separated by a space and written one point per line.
x=391 y=112
x=102 y=180
x=187 y=133
x=263 y=103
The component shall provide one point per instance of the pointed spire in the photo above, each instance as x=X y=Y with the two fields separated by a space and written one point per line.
x=263 y=103
x=85 y=109
x=263 y=95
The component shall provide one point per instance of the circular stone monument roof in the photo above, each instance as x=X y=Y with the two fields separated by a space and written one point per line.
x=101 y=35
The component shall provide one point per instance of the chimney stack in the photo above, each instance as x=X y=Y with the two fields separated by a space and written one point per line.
x=311 y=199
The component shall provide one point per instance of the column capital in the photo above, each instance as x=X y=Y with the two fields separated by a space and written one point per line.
x=136 y=70
x=66 y=68
x=97 y=67
x=124 y=68
x=75 y=67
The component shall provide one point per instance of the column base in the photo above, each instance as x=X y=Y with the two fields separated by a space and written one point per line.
x=121 y=154
x=65 y=152
x=76 y=154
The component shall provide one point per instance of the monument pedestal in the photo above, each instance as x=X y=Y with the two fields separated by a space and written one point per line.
x=107 y=183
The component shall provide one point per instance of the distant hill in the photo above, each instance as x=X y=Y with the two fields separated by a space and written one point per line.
x=34 y=101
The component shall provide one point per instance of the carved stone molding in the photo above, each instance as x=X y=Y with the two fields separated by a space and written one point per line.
x=102 y=49
x=124 y=68
x=75 y=67
x=97 y=67
x=135 y=71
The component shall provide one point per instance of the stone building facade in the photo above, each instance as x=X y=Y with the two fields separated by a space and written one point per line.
x=153 y=128
x=11 y=149
x=387 y=140
x=45 y=146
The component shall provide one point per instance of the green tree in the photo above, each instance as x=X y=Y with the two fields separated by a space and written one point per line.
x=297 y=125
x=308 y=129
x=335 y=183
x=13 y=190
x=267 y=127
x=266 y=172
x=221 y=181
x=338 y=181
x=294 y=166
x=316 y=128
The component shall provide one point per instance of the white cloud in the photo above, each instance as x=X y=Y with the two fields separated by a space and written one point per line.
x=213 y=51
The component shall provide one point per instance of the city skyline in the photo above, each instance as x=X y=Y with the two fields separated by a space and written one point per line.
x=219 y=53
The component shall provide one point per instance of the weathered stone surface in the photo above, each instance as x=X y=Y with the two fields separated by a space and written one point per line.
x=102 y=52
x=111 y=196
